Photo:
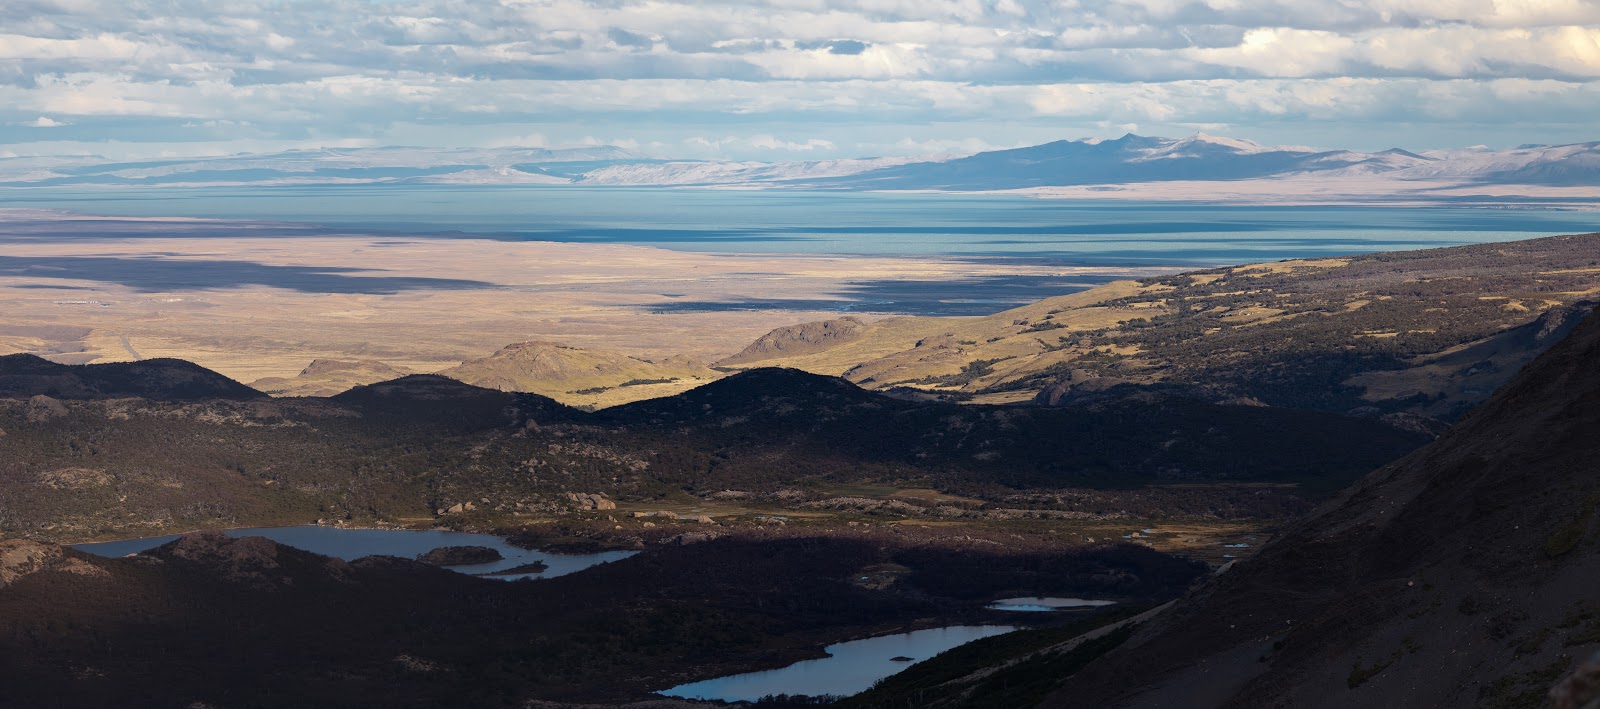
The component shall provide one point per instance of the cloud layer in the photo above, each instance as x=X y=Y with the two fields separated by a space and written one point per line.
x=790 y=78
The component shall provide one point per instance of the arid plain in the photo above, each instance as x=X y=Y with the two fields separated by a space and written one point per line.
x=256 y=300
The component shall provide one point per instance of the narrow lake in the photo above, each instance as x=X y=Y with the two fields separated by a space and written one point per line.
x=350 y=544
x=1037 y=604
x=852 y=668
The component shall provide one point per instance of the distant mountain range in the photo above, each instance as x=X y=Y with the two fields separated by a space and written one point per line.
x=1128 y=160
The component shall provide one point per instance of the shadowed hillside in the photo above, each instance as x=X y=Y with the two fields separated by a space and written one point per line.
x=413 y=446
x=25 y=375
x=1463 y=575
x=212 y=620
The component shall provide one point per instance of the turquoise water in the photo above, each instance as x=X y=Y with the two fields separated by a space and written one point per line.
x=351 y=544
x=851 y=667
x=793 y=222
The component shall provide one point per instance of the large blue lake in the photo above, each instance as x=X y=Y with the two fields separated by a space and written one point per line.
x=792 y=222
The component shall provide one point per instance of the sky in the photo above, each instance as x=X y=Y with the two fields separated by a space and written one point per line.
x=788 y=79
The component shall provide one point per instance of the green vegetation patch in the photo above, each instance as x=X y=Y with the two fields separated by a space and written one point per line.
x=1567 y=537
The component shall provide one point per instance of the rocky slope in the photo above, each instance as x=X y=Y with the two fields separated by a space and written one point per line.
x=1462 y=575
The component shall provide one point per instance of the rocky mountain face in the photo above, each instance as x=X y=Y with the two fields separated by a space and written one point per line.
x=1461 y=575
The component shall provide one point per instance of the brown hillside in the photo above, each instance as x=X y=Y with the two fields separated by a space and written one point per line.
x=580 y=377
x=326 y=377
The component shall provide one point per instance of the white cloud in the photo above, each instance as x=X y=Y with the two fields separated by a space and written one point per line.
x=842 y=73
x=45 y=122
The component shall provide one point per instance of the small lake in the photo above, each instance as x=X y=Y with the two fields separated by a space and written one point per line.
x=1038 y=604
x=351 y=544
x=852 y=668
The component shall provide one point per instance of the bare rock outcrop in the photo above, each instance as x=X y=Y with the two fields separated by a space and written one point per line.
x=1077 y=386
x=42 y=408
x=591 y=501
x=19 y=557
x=802 y=339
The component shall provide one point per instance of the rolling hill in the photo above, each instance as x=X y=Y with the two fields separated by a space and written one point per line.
x=1428 y=332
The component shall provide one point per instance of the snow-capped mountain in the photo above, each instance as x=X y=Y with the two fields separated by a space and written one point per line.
x=725 y=173
x=1083 y=164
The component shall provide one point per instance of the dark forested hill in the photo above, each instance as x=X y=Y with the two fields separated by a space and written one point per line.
x=413 y=446
x=24 y=375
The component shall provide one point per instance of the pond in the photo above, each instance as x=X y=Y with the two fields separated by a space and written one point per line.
x=852 y=667
x=350 y=544
x=1035 y=603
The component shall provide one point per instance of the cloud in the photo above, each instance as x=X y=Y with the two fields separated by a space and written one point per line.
x=842 y=73
x=45 y=122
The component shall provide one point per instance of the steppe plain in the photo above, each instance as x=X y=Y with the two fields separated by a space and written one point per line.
x=255 y=300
